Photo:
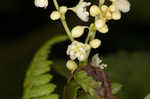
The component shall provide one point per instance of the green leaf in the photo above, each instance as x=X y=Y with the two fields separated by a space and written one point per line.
x=37 y=82
x=87 y=96
x=71 y=90
x=52 y=96
x=116 y=87
x=42 y=90
x=41 y=80
x=83 y=79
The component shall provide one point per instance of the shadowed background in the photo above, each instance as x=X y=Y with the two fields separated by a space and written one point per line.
x=24 y=28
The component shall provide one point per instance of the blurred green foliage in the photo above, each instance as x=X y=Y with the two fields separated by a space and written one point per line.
x=132 y=70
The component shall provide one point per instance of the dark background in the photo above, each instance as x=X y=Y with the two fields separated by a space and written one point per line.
x=24 y=28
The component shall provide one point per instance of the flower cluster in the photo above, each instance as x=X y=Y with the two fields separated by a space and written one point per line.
x=102 y=14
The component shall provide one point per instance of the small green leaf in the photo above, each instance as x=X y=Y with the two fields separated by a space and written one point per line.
x=71 y=90
x=52 y=96
x=87 y=82
x=41 y=80
x=147 y=97
x=116 y=87
x=42 y=90
x=40 y=71
x=87 y=96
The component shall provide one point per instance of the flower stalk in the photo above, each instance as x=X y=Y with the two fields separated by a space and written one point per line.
x=63 y=21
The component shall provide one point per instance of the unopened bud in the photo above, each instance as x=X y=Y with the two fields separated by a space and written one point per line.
x=116 y=15
x=104 y=8
x=99 y=23
x=41 y=3
x=101 y=2
x=112 y=0
x=55 y=15
x=94 y=10
x=103 y=29
x=77 y=31
x=112 y=8
x=95 y=43
x=63 y=9
x=108 y=15
x=71 y=65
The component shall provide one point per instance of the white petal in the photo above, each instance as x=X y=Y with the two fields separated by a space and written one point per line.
x=122 y=5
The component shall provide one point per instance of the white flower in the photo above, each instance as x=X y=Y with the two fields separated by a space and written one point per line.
x=97 y=62
x=41 y=3
x=122 y=5
x=78 y=50
x=81 y=11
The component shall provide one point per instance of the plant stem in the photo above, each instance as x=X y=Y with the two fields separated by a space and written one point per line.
x=91 y=36
x=56 y=4
x=63 y=21
x=90 y=33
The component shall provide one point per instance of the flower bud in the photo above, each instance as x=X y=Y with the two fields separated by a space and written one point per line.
x=55 y=15
x=99 y=23
x=116 y=15
x=41 y=3
x=103 y=29
x=113 y=0
x=63 y=9
x=104 y=8
x=71 y=65
x=95 y=43
x=102 y=67
x=112 y=8
x=77 y=31
x=101 y=2
x=94 y=10
x=108 y=15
